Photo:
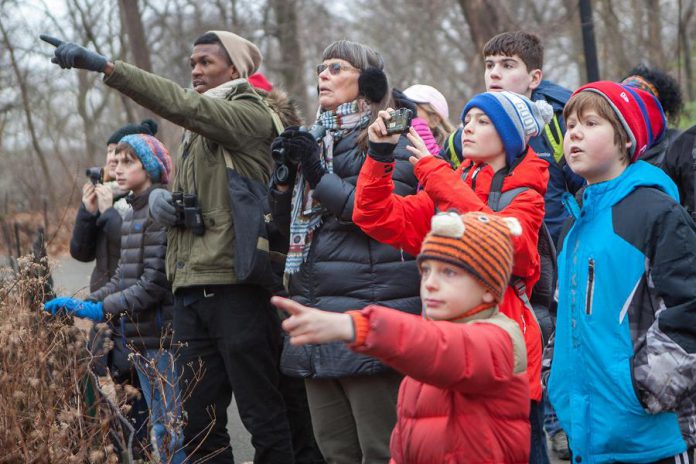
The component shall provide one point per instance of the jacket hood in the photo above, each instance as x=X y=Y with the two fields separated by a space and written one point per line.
x=283 y=105
x=636 y=175
x=554 y=94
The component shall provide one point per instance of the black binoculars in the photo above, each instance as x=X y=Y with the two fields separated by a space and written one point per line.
x=95 y=175
x=188 y=212
x=284 y=159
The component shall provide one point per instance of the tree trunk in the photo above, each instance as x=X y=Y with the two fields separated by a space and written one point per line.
x=292 y=63
x=133 y=25
x=485 y=19
x=654 y=46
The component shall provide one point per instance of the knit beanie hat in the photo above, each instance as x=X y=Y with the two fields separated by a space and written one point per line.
x=479 y=243
x=245 y=56
x=153 y=154
x=514 y=116
x=639 y=112
x=148 y=126
x=420 y=93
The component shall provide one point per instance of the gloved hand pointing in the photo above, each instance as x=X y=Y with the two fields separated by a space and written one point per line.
x=70 y=55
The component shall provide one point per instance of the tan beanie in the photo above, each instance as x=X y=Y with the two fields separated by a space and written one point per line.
x=245 y=56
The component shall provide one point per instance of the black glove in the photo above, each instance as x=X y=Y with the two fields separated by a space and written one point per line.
x=382 y=152
x=297 y=145
x=312 y=170
x=70 y=55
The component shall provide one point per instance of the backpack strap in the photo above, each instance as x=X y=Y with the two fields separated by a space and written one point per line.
x=454 y=159
x=277 y=123
x=554 y=137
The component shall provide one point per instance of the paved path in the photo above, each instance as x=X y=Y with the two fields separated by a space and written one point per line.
x=71 y=276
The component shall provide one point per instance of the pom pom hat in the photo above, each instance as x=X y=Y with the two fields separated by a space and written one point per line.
x=147 y=126
x=153 y=154
x=479 y=243
x=514 y=116
x=639 y=112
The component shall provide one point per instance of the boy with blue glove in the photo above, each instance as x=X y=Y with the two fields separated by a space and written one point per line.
x=137 y=302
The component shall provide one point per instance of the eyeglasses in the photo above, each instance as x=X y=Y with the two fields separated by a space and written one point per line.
x=334 y=68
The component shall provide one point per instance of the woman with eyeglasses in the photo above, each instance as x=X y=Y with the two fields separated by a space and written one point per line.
x=332 y=264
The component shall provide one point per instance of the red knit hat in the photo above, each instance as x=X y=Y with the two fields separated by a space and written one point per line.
x=639 y=111
x=479 y=243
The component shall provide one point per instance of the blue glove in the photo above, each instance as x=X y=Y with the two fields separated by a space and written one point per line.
x=62 y=302
x=86 y=309
x=93 y=310
x=70 y=55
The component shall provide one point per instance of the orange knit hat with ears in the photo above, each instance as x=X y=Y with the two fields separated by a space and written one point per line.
x=479 y=243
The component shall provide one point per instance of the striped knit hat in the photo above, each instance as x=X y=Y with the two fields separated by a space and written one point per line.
x=153 y=154
x=514 y=116
x=479 y=243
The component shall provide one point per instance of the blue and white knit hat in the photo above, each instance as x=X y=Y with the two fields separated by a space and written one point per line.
x=514 y=116
x=153 y=154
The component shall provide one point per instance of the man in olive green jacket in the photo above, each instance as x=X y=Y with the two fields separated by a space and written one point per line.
x=232 y=328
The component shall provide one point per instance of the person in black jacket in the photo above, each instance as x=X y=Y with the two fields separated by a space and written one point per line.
x=97 y=231
x=137 y=302
x=332 y=264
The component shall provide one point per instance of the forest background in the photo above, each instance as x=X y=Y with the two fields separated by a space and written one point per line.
x=54 y=123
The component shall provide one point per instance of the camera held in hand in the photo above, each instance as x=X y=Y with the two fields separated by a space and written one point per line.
x=188 y=212
x=95 y=175
x=286 y=160
x=400 y=121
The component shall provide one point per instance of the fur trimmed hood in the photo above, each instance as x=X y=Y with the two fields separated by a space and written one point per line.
x=283 y=105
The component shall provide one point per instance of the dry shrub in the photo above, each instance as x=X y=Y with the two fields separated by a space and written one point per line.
x=51 y=409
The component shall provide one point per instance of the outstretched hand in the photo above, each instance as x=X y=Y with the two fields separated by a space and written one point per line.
x=308 y=325
x=70 y=55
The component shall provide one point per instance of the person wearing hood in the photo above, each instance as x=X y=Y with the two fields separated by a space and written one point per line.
x=230 y=330
x=624 y=356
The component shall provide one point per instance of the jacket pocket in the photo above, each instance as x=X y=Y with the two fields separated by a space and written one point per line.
x=589 y=293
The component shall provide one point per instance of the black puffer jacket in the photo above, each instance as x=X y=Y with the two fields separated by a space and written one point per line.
x=97 y=236
x=139 y=297
x=346 y=269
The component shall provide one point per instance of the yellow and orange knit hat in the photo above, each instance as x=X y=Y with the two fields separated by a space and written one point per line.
x=479 y=243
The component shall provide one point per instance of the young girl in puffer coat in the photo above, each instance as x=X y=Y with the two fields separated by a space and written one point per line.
x=466 y=394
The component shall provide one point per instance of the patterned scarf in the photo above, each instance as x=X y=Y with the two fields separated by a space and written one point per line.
x=307 y=213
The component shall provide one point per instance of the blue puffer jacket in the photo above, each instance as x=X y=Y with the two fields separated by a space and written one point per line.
x=561 y=178
x=625 y=347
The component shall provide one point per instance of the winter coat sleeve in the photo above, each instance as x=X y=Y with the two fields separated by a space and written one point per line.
x=447 y=190
x=151 y=287
x=469 y=358
x=337 y=196
x=83 y=244
x=665 y=365
x=399 y=221
x=229 y=123
x=109 y=288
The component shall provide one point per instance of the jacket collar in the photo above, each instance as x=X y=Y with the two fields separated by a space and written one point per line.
x=140 y=201
x=530 y=171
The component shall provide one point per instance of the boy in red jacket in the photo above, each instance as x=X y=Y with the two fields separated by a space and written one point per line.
x=466 y=397
x=497 y=127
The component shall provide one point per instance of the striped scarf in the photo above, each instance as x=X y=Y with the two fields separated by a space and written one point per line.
x=307 y=213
